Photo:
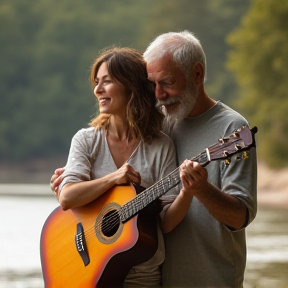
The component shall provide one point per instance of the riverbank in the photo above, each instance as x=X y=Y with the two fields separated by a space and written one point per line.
x=272 y=187
x=23 y=189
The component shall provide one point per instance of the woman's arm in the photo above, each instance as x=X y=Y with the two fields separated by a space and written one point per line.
x=80 y=193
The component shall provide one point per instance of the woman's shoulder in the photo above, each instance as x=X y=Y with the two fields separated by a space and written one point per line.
x=88 y=139
x=89 y=134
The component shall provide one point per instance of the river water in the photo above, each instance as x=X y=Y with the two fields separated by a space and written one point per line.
x=22 y=218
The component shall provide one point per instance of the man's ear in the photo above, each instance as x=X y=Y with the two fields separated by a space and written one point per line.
x=198 y=73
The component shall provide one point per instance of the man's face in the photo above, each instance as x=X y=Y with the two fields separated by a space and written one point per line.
x=176 y=96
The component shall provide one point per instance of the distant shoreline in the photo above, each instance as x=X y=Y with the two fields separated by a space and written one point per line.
x=25 y=190
x=32 y=179
x=269 y=198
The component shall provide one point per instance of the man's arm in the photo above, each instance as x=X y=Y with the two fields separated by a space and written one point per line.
x=179 y=207
x=226 y=208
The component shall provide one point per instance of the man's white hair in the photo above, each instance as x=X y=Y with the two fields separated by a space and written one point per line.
x=184 y=47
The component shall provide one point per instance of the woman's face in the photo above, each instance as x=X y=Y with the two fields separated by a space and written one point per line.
x=112 y=96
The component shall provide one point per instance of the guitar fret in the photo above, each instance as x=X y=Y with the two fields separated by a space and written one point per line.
x=133 y=207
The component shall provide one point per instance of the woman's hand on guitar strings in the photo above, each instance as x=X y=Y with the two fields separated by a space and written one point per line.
x=127 y=174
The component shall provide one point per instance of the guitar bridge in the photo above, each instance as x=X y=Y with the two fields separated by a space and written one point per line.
x=81 y=245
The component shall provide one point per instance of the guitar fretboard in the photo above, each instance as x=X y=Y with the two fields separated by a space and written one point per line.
x=155 y=191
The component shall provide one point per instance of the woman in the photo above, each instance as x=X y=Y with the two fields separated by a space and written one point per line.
x=124 y=144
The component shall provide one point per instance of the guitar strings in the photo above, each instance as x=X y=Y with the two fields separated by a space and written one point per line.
x=114 y=218
x=109 y=224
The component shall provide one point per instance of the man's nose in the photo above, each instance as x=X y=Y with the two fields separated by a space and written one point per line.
x=160 y=93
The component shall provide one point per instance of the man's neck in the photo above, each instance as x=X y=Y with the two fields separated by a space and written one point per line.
x=203 y=104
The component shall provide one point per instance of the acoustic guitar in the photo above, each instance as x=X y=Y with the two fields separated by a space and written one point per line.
x=95 y=245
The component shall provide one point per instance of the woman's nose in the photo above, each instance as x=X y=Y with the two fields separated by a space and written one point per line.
x=98 y=89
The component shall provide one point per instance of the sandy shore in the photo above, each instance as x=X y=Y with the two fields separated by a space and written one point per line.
x=273 y=198
x=272 y=186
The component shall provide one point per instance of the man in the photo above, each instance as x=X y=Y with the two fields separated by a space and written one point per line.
x=208 y=248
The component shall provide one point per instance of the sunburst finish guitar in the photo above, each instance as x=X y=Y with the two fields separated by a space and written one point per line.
x=96 y=245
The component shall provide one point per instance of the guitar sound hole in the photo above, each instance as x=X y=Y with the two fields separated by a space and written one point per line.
x=110 y=223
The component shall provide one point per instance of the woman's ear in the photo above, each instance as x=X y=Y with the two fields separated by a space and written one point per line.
x=198 y=73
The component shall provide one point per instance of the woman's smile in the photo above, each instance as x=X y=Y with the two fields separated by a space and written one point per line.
x=104 y=100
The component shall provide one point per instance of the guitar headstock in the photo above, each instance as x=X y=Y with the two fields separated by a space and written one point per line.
x=240 y=140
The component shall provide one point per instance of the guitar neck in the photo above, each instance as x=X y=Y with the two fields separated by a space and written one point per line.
x=161 y=187
x=240 y=140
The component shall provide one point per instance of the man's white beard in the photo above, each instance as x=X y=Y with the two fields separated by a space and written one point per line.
x=187 y=103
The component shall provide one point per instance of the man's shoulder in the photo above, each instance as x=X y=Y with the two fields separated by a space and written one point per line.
x=225 y=116
x=228 y=111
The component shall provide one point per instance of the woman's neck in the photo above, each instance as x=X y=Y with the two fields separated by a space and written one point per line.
x=121 y=144
x=117 y=128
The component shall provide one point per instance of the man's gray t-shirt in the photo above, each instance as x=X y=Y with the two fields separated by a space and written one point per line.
x=201 y=251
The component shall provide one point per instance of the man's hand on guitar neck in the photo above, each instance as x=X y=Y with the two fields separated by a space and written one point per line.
x=226 y=208
x=193 y=177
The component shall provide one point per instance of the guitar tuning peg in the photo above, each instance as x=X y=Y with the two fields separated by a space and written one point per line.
x=227 y=161
x=245 y=155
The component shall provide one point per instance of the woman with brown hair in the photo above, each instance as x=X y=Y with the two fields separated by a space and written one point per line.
x=124 y=144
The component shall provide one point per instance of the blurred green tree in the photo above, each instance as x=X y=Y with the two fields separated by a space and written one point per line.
x=259 y=60
x=46 y=52
x=47 y=48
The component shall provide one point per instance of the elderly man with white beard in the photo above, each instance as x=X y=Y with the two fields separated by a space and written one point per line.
x=208 y=248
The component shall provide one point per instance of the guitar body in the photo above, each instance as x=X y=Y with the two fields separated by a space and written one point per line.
x=110 y=253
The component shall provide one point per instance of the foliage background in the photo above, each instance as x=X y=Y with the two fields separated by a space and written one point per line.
x=259 y=59
x=46 y=48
